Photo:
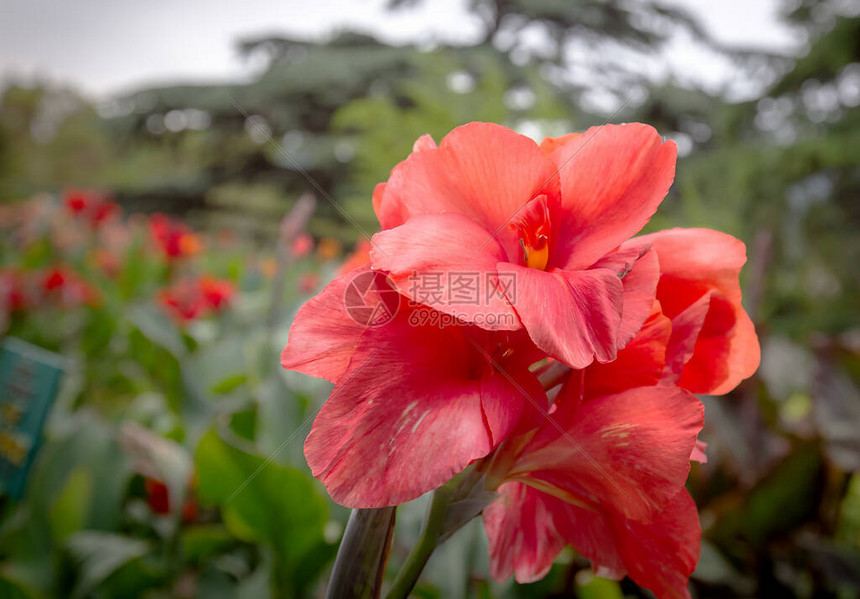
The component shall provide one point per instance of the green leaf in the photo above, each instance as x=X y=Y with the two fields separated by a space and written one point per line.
x=68 y=513
x=263 y=502
x=9 y=589
x=200 y=542
x=158 y=328
x=228 y=384
x=100 y=554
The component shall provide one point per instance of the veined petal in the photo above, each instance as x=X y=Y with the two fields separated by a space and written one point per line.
x=612 y=179
x=522 y=530
x=409 y=393
x=447 y=262
x=481 y=170
x=527 y=529
x=639 y=364
x=574 y=316
x=662 y=554
x=629 y=450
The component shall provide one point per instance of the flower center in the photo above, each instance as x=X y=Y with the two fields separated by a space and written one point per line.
x=532 y=225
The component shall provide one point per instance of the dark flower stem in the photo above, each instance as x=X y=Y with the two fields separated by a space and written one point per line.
x=363 y=554
x=433 y=527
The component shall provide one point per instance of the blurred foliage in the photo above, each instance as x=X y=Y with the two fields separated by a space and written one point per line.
x=780 y=496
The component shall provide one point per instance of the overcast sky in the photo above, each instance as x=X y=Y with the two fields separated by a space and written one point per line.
x=108 y=46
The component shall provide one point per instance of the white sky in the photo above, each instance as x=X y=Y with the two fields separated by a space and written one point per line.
x=107 y=46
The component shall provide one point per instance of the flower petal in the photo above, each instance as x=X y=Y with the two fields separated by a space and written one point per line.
x=693 y=263
x=572 y=316
x=612 y=179
x=481 y=170
x=522 y=532
x=639 y=270
x=323 y=336
x=447 y=262
x=409 y=393
x=630 y=451
x=639 y=364
x=661 y=555
x=527 y=529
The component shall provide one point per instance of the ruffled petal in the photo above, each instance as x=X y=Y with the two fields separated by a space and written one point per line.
x=630 y=450
x=695 y=263
x=612 y=179
x=415 y=407
x=524 y=538
x=447 y=262
x=481 y=170
x=527 y=529
x=574 y=316
x=662 y=554
x=639 y=364
x=323 y=336
x=551 y=144
x=639 y=271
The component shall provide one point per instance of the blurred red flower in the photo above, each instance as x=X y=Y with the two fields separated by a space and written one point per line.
x=13 y=291
x=174 y=239
x=217 y=293
x=301 y=245
x=158 y=499
x=91 y=205
x=65 y=286
x=189 y=299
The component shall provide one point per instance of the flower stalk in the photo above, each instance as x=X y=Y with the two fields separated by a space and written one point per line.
x=430 y=535
x=452 y=506
x=363 y=554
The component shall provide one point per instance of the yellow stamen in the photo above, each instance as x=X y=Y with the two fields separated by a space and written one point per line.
x=537 y=257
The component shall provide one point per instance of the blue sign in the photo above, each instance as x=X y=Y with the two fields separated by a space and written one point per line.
x=29 y=381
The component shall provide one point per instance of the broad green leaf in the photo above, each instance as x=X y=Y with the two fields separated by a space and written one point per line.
x=263 y=502
x=100 y=554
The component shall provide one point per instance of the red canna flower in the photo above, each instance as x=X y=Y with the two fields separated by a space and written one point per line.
x=217 y=293
x=714 y=343
x=189 y=299
x=93 y=206
x=63 y=285
x=174 y=239
x=182 y=300
x=76 y=200
x=550 y=217
x=405 y=390
x=158 y=499
x=576 y=398
x=301 y=245
x=14 y=295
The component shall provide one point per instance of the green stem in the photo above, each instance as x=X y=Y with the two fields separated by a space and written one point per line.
x=363 y=554
x=411 y=570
